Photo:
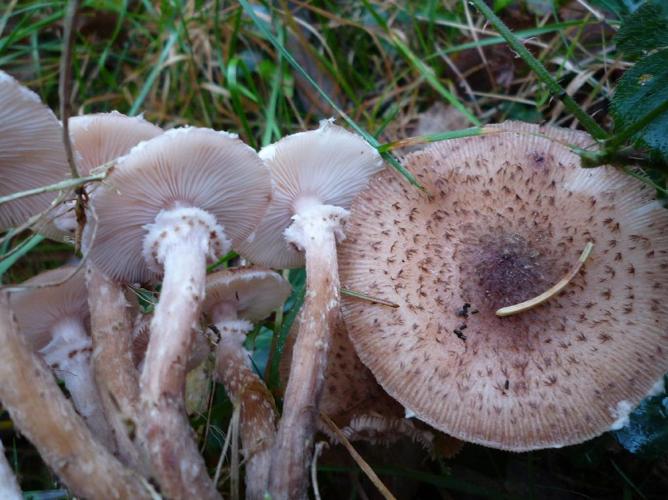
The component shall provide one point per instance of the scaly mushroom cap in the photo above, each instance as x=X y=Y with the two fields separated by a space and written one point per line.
x=189 y=167
x=329 y=164
x=102 y=137
x=39 y=309
x=507 y=218
x=31 y=151
x=253 y=292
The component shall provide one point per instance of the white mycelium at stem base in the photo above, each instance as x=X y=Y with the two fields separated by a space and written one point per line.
x=69 y=354
x=315 y=229
x=181 y=240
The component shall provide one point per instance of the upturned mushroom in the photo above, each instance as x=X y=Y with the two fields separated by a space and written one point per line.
x=316 y=174
x=32 y=154
x=172 y=204
x=54 y=321
x=507 y=218
x=98 y=139
x=235 y=298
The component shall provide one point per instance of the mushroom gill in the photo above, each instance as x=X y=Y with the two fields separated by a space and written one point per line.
x=506 y=217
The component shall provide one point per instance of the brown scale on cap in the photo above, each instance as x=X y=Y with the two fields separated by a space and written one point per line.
x=507 y=217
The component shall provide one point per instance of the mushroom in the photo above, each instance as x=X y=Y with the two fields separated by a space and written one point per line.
x=31 y=151
x=9 y=488
x=506 y=218
x=172 y=204
x=98 y=139
x=40 y=411
x=234 y=299
x=54 y=320
x=316 y=174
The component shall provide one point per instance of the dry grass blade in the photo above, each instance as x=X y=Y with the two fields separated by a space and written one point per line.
x=366 y=468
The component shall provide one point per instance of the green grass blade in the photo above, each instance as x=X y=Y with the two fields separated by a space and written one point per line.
x=262 y=26
x=153 y=75
x=424 y=70
x=541 y=72
x=24 y=247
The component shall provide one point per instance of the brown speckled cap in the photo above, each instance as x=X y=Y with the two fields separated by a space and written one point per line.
x=31 y=151
x=507 y=218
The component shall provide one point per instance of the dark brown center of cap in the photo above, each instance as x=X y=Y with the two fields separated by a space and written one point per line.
x=501 y=268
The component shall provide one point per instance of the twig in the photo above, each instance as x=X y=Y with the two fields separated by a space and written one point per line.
x=366 y=468
x=65 y=97
x=552 y=291
x=223 y=453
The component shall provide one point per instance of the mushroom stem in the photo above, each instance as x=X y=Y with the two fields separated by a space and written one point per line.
x=247 y=390
x=551 y=292
x=117 y=378
x=314 y=229
x=9 y=488
x=42 y=413
x=180 y=240
x=68 y=354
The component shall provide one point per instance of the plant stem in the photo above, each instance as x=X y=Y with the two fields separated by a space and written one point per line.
x=165 y=429
x=543 y=74
x=59 y=186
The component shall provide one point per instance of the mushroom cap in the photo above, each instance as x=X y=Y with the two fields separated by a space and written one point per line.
x=31 y=151
x=188 y=167
x=102 y=137
x=507 y=218
x=329 y=164
x=254 y=292
x=39 y=309
x=98 y=138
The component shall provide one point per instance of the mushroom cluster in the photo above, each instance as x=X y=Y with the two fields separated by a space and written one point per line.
x=470 y=316
x=506 y=217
